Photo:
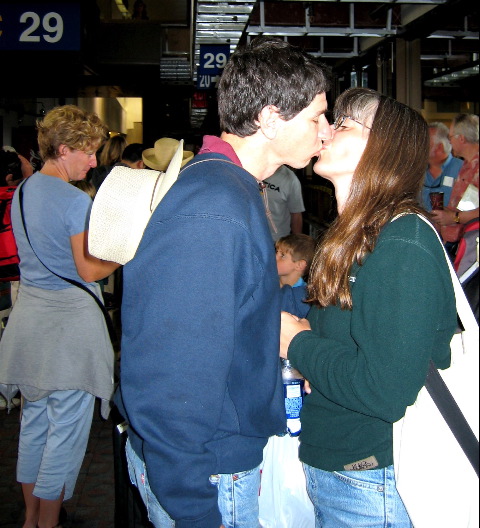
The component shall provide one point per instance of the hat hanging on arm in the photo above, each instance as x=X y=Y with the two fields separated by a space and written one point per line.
x=159 y=156
x=124 y=204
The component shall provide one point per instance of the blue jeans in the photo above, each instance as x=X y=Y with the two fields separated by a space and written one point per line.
x=356 y=499
x=237 y=495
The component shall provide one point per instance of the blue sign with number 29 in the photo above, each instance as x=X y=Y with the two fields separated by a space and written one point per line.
x=54 y=26
x=213 y=59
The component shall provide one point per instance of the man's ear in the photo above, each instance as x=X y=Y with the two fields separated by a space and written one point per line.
x=268 y=121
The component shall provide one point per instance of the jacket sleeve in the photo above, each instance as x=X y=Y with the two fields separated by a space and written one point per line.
x=403 y=314
x=192 y=274
x=293 y=300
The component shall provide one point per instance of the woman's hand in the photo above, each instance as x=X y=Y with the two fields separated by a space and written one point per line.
x=291 y=326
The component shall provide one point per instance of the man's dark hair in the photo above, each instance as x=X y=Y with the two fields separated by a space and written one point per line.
x=133 y=152
x=269 y=71
x=10 y=163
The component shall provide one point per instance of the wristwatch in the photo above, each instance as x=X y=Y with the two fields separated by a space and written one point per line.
x=457 y=217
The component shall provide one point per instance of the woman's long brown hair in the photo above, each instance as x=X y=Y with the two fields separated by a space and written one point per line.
x=386 y=183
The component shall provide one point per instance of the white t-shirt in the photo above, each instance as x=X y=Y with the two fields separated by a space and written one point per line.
x=284 y=192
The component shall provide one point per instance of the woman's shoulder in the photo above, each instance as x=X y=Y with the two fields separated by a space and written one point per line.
x=407 y=247
x=410 y=226
x=412 y=230
x=60 y=195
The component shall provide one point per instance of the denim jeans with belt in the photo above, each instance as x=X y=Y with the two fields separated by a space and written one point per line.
x=356 y=499
x=237 y=495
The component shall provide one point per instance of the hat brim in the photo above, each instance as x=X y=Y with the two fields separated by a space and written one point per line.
x=152 y=162
x=120 y=212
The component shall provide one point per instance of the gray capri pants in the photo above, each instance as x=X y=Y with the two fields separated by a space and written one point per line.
x=54 y=434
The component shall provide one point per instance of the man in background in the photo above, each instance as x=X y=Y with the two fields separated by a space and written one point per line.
x=464 y=139
x=442 y=166
x=285 y=201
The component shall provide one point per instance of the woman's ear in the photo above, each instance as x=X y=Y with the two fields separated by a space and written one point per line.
x=63 y=150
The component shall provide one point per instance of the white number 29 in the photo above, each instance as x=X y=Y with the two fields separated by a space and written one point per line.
x=215 y=61
x=54 y=29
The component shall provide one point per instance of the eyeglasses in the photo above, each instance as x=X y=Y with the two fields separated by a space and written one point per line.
x=341 y=119
x=452 y=136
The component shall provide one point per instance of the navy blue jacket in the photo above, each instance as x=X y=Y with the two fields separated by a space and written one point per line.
x=200 y=369
x=293 y=300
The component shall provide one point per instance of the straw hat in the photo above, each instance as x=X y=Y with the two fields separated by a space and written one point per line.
x=123 y=206
x=159 y=156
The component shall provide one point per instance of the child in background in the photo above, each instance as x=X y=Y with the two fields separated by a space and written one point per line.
x=294 y=255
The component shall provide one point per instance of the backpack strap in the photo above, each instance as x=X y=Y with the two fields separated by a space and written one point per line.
x=262 y=186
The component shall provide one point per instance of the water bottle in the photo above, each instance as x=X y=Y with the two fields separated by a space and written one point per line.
x=293 y=390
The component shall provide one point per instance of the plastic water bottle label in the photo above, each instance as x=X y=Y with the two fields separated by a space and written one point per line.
x=293 y=392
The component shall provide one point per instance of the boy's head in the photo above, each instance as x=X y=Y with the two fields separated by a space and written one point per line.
x=294 y=256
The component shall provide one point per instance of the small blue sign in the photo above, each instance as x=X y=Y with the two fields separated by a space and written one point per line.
x=53 y=26
x=213 y=58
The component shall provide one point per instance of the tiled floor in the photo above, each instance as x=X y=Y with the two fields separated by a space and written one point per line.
x=93 y=503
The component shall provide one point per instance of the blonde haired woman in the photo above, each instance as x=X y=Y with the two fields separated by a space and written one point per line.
x=56 y=348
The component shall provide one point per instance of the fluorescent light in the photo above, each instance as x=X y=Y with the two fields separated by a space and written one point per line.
x=450 y=77
x=121 y=7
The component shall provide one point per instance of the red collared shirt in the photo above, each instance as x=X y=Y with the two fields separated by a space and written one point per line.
x=218 y=146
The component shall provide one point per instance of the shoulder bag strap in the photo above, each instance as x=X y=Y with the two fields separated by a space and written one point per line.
x=438 y=389
x=453 y=415
x=108 y=320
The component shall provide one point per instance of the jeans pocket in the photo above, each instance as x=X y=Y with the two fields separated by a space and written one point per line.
x=235 y=477
x=244 y=474
x=238 y=497
x=367 y=480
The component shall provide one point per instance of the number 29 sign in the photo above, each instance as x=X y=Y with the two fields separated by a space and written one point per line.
x=49 y=26
x=212 y=61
